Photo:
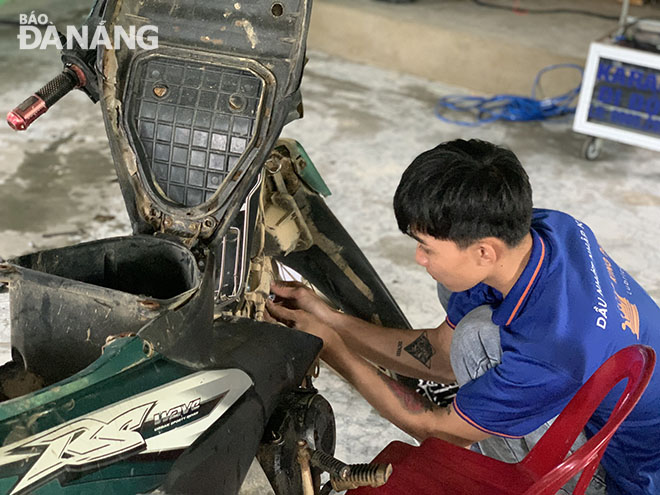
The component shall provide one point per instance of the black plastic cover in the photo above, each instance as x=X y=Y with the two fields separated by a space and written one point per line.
x=192 y=121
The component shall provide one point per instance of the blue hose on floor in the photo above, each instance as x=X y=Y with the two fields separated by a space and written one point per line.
x=510 y=107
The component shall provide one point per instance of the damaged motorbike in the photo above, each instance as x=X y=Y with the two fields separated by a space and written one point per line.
x=142 y=364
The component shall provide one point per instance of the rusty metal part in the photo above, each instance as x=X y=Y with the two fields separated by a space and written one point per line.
x=373 y=475
x=210 y=223
x=283 y=160
x=7 y=268
x=236 y=102
x=274 y=163
x=111 y=338
x=148 y=348
x=189 y=229
x=7 y=273
x=160 y=90
x=149 y=304
x=285 y=222
x=274 y=437
x=257 y=288
x=333 y=466
x=277 y=9
x=281 y=170
x=303 y=458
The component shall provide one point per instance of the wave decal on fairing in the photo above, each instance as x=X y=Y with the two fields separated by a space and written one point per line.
x=168 y=417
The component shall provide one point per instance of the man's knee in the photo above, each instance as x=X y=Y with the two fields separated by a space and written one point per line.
x=475 y=345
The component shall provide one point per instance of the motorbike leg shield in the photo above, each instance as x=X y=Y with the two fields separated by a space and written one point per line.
x=65 y=302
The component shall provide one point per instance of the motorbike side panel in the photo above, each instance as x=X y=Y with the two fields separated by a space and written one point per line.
x=216 y=460
x=124 y=370
x=276 y=358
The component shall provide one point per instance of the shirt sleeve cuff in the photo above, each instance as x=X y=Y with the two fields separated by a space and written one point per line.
x=474 y=424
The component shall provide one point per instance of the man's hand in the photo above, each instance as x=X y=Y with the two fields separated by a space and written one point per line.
x=298 y=296
x=298 y=307
x=418 y=353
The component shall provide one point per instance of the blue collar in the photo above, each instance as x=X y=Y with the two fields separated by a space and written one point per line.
x=512 y=304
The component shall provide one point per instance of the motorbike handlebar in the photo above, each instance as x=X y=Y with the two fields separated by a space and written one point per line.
x=21 y=117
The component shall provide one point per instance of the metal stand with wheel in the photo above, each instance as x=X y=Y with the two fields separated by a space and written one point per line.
x=591 y=148
x=618 y=98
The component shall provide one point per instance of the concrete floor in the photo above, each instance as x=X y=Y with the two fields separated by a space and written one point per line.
x=362 y=127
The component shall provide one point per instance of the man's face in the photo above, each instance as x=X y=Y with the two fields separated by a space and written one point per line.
x=455 y=268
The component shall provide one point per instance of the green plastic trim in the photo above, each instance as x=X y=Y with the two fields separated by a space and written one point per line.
x=122 y=371
x=311 y=175
x=122 y=486
x=117 y=356
x=125 y=368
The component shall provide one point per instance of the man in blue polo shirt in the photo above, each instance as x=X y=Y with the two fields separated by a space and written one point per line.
x=534 y=306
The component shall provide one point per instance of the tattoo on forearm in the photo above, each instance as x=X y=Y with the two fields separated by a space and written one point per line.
x=421 y=349
x=399 y=347
x=410 y=400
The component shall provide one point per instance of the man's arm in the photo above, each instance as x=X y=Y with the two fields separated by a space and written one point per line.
x=402 y=406
x=416 y=353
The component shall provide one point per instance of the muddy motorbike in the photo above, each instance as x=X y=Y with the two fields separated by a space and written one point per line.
x=142 y=364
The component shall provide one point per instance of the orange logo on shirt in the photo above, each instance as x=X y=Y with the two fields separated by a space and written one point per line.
x=629 y=314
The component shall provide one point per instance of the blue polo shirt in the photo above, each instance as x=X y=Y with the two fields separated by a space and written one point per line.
x=571 y=309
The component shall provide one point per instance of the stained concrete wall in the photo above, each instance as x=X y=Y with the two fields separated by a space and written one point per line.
x=462 y=44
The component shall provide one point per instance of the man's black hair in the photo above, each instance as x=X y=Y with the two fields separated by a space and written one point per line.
x=464 y=191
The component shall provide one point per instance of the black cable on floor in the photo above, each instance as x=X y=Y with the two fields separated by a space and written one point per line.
x=523 y=10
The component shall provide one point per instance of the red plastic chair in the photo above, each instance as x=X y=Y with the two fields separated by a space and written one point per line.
x=437 y=467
